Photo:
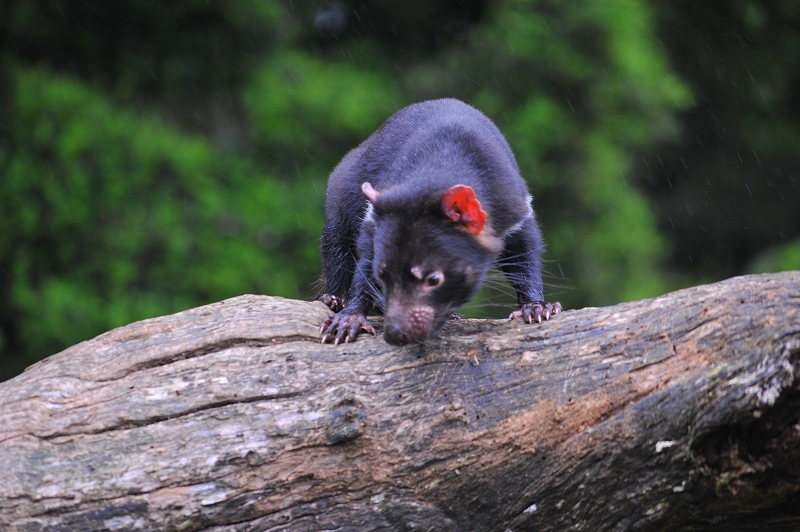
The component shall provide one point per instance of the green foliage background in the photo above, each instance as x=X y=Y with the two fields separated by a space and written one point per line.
x=156 y=157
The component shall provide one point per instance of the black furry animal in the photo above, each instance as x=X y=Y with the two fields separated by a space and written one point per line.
x=416 y=215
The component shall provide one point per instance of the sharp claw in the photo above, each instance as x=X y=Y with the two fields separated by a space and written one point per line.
x=537 y=311
x=344 y=329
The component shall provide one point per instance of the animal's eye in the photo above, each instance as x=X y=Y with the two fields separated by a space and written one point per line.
x=434 y=279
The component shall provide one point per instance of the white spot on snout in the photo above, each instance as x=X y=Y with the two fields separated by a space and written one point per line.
x=416 y=271
x=530 y=509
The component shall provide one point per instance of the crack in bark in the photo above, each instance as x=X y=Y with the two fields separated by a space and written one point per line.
x=133 y=423
x=205 y=350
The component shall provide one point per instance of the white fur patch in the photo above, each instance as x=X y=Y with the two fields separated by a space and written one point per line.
x=369 y=215
x=517 y=226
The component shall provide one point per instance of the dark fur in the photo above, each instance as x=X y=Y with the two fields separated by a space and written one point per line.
x=412 y=160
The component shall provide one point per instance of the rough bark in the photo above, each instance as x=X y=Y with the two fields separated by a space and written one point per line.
x=674 y=413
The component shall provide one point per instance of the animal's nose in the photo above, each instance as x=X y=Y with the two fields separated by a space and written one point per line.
x=405 y=324
x=394 y=335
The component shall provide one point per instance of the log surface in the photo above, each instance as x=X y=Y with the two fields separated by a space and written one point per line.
x=674 y=413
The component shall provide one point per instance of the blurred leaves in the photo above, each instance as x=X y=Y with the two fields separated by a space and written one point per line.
x=338 y=104
x=728 y=188
x=112 y=217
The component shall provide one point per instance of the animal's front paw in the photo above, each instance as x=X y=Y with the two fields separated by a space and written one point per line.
x=343 y=328
x=537 y=311
x=334 y=303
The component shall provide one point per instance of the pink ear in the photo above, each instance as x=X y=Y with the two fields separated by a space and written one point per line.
x=369 y=192
x=462 y=207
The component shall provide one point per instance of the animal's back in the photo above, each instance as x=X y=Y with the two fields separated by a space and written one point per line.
x=420 y=127
x=466 y=146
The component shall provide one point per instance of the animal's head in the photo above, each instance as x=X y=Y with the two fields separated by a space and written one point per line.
x=430 y=256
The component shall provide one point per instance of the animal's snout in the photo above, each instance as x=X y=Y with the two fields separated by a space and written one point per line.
x=408 y=324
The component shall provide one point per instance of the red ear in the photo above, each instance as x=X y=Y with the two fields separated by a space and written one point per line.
x=461 y=206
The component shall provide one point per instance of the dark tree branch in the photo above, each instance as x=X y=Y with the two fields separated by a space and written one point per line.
x=674 y=413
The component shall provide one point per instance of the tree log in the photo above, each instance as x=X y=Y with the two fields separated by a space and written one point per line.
x=680 y=412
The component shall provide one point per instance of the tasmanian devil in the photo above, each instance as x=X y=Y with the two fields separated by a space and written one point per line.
x=416 y=215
